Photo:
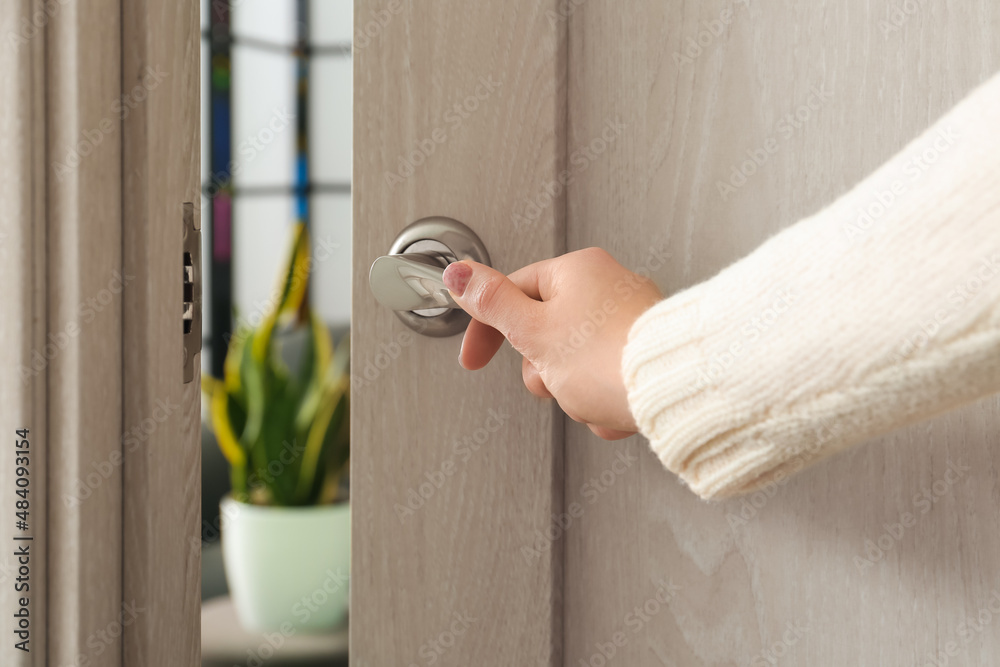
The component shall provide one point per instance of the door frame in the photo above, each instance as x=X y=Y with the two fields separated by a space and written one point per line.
x=102 y=158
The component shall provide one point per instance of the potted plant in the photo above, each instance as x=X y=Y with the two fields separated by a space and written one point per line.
x=282 y=424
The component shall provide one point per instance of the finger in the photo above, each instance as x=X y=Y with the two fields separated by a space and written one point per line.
x=536 y=280
x=532 y=380
x=490 y=297
x=609 y=433
x=482 y=341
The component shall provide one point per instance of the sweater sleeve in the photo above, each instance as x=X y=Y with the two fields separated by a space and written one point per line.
x=880 y=310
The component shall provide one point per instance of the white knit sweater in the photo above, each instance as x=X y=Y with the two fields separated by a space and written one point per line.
x=880 y=310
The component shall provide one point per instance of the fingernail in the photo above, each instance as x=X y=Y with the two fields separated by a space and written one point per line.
x=456 y=277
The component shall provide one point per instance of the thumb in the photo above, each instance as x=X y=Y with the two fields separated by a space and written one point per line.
x=488 y=295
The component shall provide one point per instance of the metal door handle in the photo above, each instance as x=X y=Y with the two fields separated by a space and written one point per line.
x=408 y=279
x=410 y=282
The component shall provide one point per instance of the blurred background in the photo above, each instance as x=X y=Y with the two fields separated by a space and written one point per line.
x=276 y=150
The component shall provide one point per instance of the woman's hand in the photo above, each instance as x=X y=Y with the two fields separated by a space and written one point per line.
x=569 y=317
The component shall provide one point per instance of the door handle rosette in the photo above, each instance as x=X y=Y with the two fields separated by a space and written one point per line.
x=408 y=279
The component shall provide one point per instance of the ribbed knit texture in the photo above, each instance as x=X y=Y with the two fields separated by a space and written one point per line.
x=839 y=328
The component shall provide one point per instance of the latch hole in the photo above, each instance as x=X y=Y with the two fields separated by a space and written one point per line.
x=188 y=293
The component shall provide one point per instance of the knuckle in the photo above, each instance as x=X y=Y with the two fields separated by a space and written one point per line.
x=487 y=297
x=596 y=254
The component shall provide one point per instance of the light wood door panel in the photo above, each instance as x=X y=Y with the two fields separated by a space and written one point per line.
x=84 y=286
x=97 y=160
x=162 y=471
x=23 y=303
x=744 y=576
x=449 y=580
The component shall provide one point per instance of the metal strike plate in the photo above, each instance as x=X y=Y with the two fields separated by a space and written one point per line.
x=192 y=291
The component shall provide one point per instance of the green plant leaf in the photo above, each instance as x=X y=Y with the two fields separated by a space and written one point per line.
x=313 y=372
x=292 y=291
x=228 y=442
x=317 y=438
x=284 y=431
x=283 y=457
x=337 y=450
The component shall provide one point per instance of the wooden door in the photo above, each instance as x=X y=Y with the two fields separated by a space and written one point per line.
x=773 y=579
x=657 y=100
x=458 y=112
x=99 y=150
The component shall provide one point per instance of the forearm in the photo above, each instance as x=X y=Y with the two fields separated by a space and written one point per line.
x=882 y=309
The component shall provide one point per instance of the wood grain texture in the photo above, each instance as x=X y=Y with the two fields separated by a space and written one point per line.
x=83 y=163
x=162 y=415
x=451 y=580
x=23 y=304
x=746 y=572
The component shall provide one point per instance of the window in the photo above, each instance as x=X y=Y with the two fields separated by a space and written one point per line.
x=276 y=150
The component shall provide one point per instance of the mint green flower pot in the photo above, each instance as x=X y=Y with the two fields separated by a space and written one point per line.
x=287 y=567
